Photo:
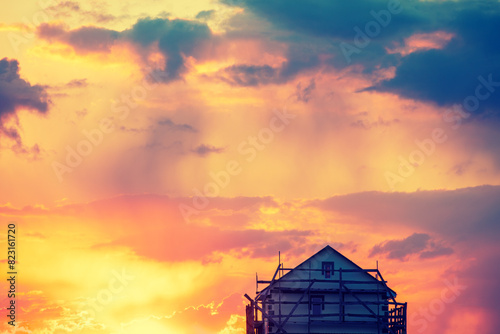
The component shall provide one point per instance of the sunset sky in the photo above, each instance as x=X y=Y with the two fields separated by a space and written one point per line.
x=156 y=154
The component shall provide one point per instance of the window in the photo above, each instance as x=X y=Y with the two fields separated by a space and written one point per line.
x=317 y=304
x=327 y=269
x=270 y=310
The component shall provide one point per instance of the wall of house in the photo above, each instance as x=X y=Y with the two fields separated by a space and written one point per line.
x=292 y=292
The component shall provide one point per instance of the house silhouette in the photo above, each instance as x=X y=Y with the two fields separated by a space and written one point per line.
x=327 y=293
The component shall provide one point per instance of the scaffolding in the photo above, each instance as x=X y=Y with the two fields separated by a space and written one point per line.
x=290 y=305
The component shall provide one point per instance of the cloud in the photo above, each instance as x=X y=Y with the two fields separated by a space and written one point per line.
x=482 y=293
x=163 y=234
x=17 y=93
x=69 y=5
x=205 y=14
x=176 y=127
x=163 y=239
x=304 y=94
x=134 y=130
x=419 y=42
x=320 y=27
x=77 y=83
x=65 y=9
x=436 y=251
x=83 y=40
x=174 y=39
x=468 y=213
x=467 y=219
x=181 y=242
x=449 y=45
x=203 y=150
x=249 y=75
x=448 y=75
x=211 y=318
x=298 y=60
x=166 y=123
x=460 y=168
x=177 y=40
x=328 y=18
x=176 y=145
x=400 y=249
x=417 y=243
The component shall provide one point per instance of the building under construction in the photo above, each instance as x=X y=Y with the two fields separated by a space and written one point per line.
x=327 y=293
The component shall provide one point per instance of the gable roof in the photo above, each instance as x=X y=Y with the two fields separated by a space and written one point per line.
x=329 y=248
x=334 y=252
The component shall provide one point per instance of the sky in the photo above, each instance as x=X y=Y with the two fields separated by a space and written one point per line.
x=155 y=155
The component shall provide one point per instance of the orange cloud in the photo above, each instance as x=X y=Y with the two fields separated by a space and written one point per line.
x=421 y=42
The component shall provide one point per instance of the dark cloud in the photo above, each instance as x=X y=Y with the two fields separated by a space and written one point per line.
x=17 y=93
x=83 y=40
x=450 y=75
x=249 y=75
x=331 y=18
x=176 y=127
x=417 y=243
x=204 y=150
x=455 y=214
x=147 y=31
x=304 y=94
x=176 y=145
x=443 y=76
x=436 y=251
x=176 y=39
x=179 y=40
x=298 y=60
x=77 y=83
x=92 y=39
x=205 y=14
x=166 y=123
x=313 y=28
x=401 y=249
x=322 y=25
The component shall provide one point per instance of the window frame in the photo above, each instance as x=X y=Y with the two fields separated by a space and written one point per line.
x=329 y=273
x=320 y=301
